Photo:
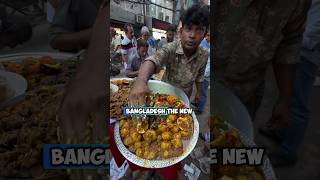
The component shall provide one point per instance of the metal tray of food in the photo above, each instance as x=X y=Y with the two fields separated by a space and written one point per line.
x=188 y=145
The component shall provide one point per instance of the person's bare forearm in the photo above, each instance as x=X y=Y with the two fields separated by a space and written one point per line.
x=72 y=41
x=146 y=70
x=285 y=75
x=131 y=74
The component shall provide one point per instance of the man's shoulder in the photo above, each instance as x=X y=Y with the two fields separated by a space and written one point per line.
x=203 y=55
x=164 y=40
x=172 y=46
x=204 y=51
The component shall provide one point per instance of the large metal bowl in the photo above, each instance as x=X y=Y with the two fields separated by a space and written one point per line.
x=188 y=145
x=230 y=108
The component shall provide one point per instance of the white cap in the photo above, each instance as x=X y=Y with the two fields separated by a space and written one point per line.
x=144 y=29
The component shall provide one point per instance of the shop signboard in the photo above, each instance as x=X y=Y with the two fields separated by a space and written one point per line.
x=158 y=24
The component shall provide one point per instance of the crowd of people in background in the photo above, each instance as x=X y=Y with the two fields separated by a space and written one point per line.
x=130 y=51
x=125 y=50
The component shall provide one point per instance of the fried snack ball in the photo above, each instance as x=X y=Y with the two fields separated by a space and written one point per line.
x=165 y=145
x=171 y=100
x=179 y=104
x=175 y=129
x=185 y=134
x=146 y=138
x=128 y=141
x=139 y=152
x=172 y=118
x=146 y=153
x=177 y=135
x=163 y=127
x=177 y=143
x=151 y=155
x=158 y=131
x=125 y=124
x=150 y=135
x=124 y=132
x=122 y=122
x=166 y=135
x=136 y=137
x=189 y=118
x=138 y=145
x=142 y=127
x=170 y=125
x=145 y=144
x=166 y=154
x=183 y=123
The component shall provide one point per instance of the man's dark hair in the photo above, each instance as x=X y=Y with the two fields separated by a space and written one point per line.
x=126 y=26
x=171 y=28
x=196 y=15
x=142 y=43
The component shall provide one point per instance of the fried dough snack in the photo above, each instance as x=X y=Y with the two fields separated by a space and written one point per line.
x=158 y=138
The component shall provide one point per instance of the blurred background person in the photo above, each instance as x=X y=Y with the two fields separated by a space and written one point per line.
x=152 y=44
x=128 y=44
x=135 y=61
x=115 y=53
x=52 y=5
x=291 y=135
x=170 y=36
x=145 y=35
x=72 y=24
x=201 y=102
x=115 y=42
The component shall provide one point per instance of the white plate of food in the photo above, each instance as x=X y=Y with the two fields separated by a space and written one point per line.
x=14 y=84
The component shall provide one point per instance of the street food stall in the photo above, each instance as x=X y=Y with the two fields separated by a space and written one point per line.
x=28 y=120
x=231 y=115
